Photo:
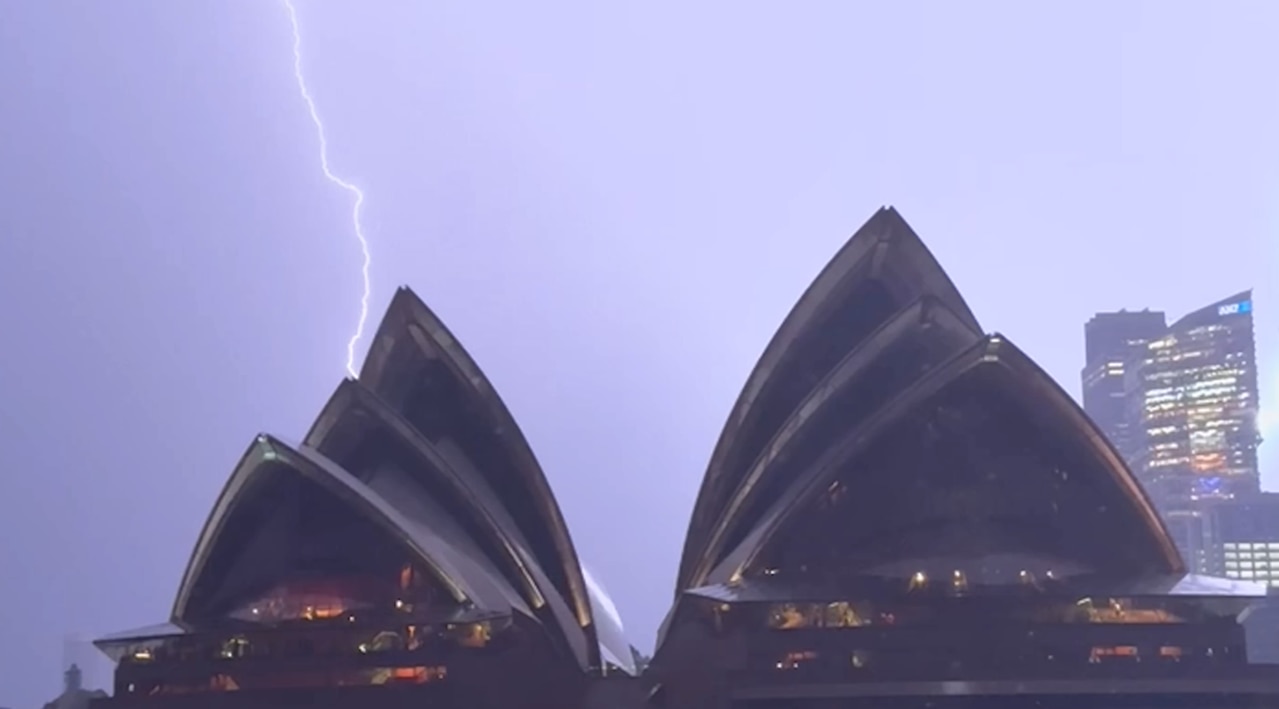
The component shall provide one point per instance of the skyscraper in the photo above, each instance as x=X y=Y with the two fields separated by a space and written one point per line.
x=1192 y=401
x=1111 y=342
x=1178 y=401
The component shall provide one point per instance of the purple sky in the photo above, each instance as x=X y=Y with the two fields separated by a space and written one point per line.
x=612 y=205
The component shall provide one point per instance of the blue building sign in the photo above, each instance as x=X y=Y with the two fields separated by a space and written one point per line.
x=1243 y=307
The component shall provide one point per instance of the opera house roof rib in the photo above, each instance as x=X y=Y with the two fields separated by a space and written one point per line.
x=881 y=397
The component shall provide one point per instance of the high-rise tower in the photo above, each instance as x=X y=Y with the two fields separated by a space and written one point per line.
x=1180 y=404
x=1192 y=404
x=1111 y=342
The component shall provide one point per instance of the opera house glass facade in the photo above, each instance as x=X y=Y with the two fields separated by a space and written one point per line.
x=408 y=552
x=904 y=511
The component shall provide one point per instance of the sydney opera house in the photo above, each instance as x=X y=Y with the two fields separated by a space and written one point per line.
x=901 y=511
x=407 y=552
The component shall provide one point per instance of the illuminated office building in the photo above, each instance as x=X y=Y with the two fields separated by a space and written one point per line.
x=1246 y=546
x=903 y=511
x=1192 y=407
x=1112 y=342
x=1245 y=536
x=408 y=552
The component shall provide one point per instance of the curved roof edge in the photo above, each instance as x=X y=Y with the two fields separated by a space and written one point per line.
x=839 y=274
x=267 y=453
x=993 y=349
x=926 y=315
x=353 y=402
x=407 y=314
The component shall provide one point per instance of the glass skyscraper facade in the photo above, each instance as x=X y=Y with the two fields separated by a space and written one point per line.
x=1180 y=403
x=1112 y=341
x=1192 y=402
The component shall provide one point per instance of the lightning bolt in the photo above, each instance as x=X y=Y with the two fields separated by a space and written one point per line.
x=329 y=175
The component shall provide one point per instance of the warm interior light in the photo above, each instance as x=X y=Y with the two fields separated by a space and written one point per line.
x=917 y=580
